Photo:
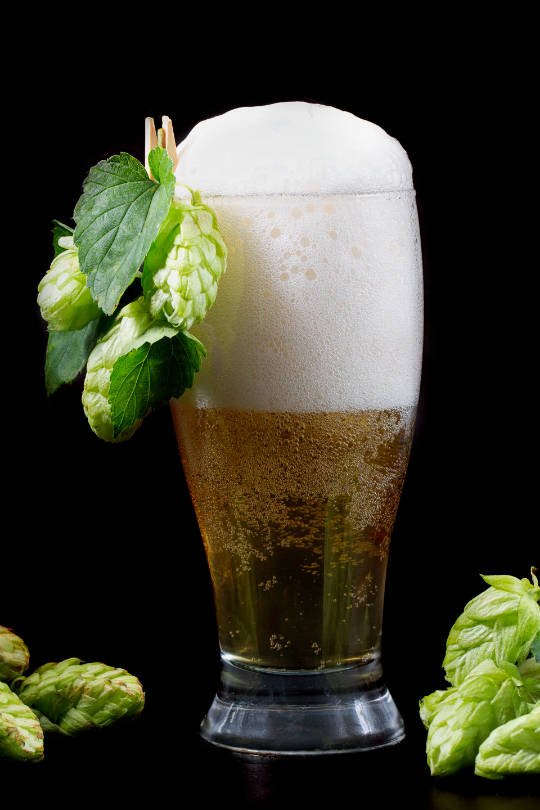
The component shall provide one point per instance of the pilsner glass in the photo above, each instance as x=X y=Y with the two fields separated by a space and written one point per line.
x=296 y=435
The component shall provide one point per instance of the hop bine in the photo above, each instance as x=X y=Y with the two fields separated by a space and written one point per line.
x=14 y=655
x=71 y=696
x=21 y=736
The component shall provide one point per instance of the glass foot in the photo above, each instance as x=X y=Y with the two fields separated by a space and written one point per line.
x=321 y=712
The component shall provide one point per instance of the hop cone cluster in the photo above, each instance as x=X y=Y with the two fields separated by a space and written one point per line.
x=65 y=301
x=463 y=717
x=21 y=736
x=14 y=655
x=184 y=265
x=71 y=696
x=486 y=718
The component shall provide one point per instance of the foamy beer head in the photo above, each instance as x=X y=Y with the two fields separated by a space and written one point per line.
x=321 y=306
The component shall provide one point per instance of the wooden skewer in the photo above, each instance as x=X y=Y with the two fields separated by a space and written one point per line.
x=150 y=141
x=170 y=143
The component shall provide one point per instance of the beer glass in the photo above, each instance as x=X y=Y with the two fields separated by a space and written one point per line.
x=296 y=436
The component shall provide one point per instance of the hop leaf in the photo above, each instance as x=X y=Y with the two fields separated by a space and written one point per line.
x=151 y=375
x=184 y=265
x=14 y=655
x=67 y=353
x=21 y=736
x=513 y=748
x=498 y=625
x=65 y=301
x=72 y=696
x=118 y=216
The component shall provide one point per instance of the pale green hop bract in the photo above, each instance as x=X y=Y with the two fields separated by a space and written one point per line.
x=14 y=655
x=184 y=264
x=488 y=697
x=71 y=696
x=513 y=748
x=430 y=704
x=21 y=736
x=65 y=301
x=529 y=671
x=132 y=326
x=499 y=625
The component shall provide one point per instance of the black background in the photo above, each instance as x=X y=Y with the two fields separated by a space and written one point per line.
x=100 y=554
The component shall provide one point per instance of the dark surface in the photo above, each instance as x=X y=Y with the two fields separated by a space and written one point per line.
x=102 y=558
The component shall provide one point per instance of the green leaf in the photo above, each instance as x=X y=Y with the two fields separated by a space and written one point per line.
x=59 y=230
x=510 y=749
x=161 y=167
x=67 y=353
x=151 y=375
x=118 y=216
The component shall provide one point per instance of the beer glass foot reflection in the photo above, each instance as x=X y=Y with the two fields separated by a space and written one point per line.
x=304 y=712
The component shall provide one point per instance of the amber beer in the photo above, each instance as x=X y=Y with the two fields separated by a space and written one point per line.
x=296 y=435
x=296 y=513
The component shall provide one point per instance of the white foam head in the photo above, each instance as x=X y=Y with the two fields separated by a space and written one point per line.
x=291 y=148
x=321 y=305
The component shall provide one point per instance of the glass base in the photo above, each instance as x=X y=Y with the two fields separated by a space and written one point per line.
x=273 y=712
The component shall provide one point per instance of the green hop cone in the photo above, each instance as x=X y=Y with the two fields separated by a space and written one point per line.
x=65 y=301
x=184 y=264
x=71 y=696
x=498 y=625
x=131 y=327
x=14 y=655
x=513 y=748
x=489 y=696
x=21 y=736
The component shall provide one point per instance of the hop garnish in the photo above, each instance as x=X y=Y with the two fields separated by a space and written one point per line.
x=138 y=356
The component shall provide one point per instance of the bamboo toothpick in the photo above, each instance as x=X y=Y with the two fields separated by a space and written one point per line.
x=150 y=141
x=170 y=143
x=165 y=139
